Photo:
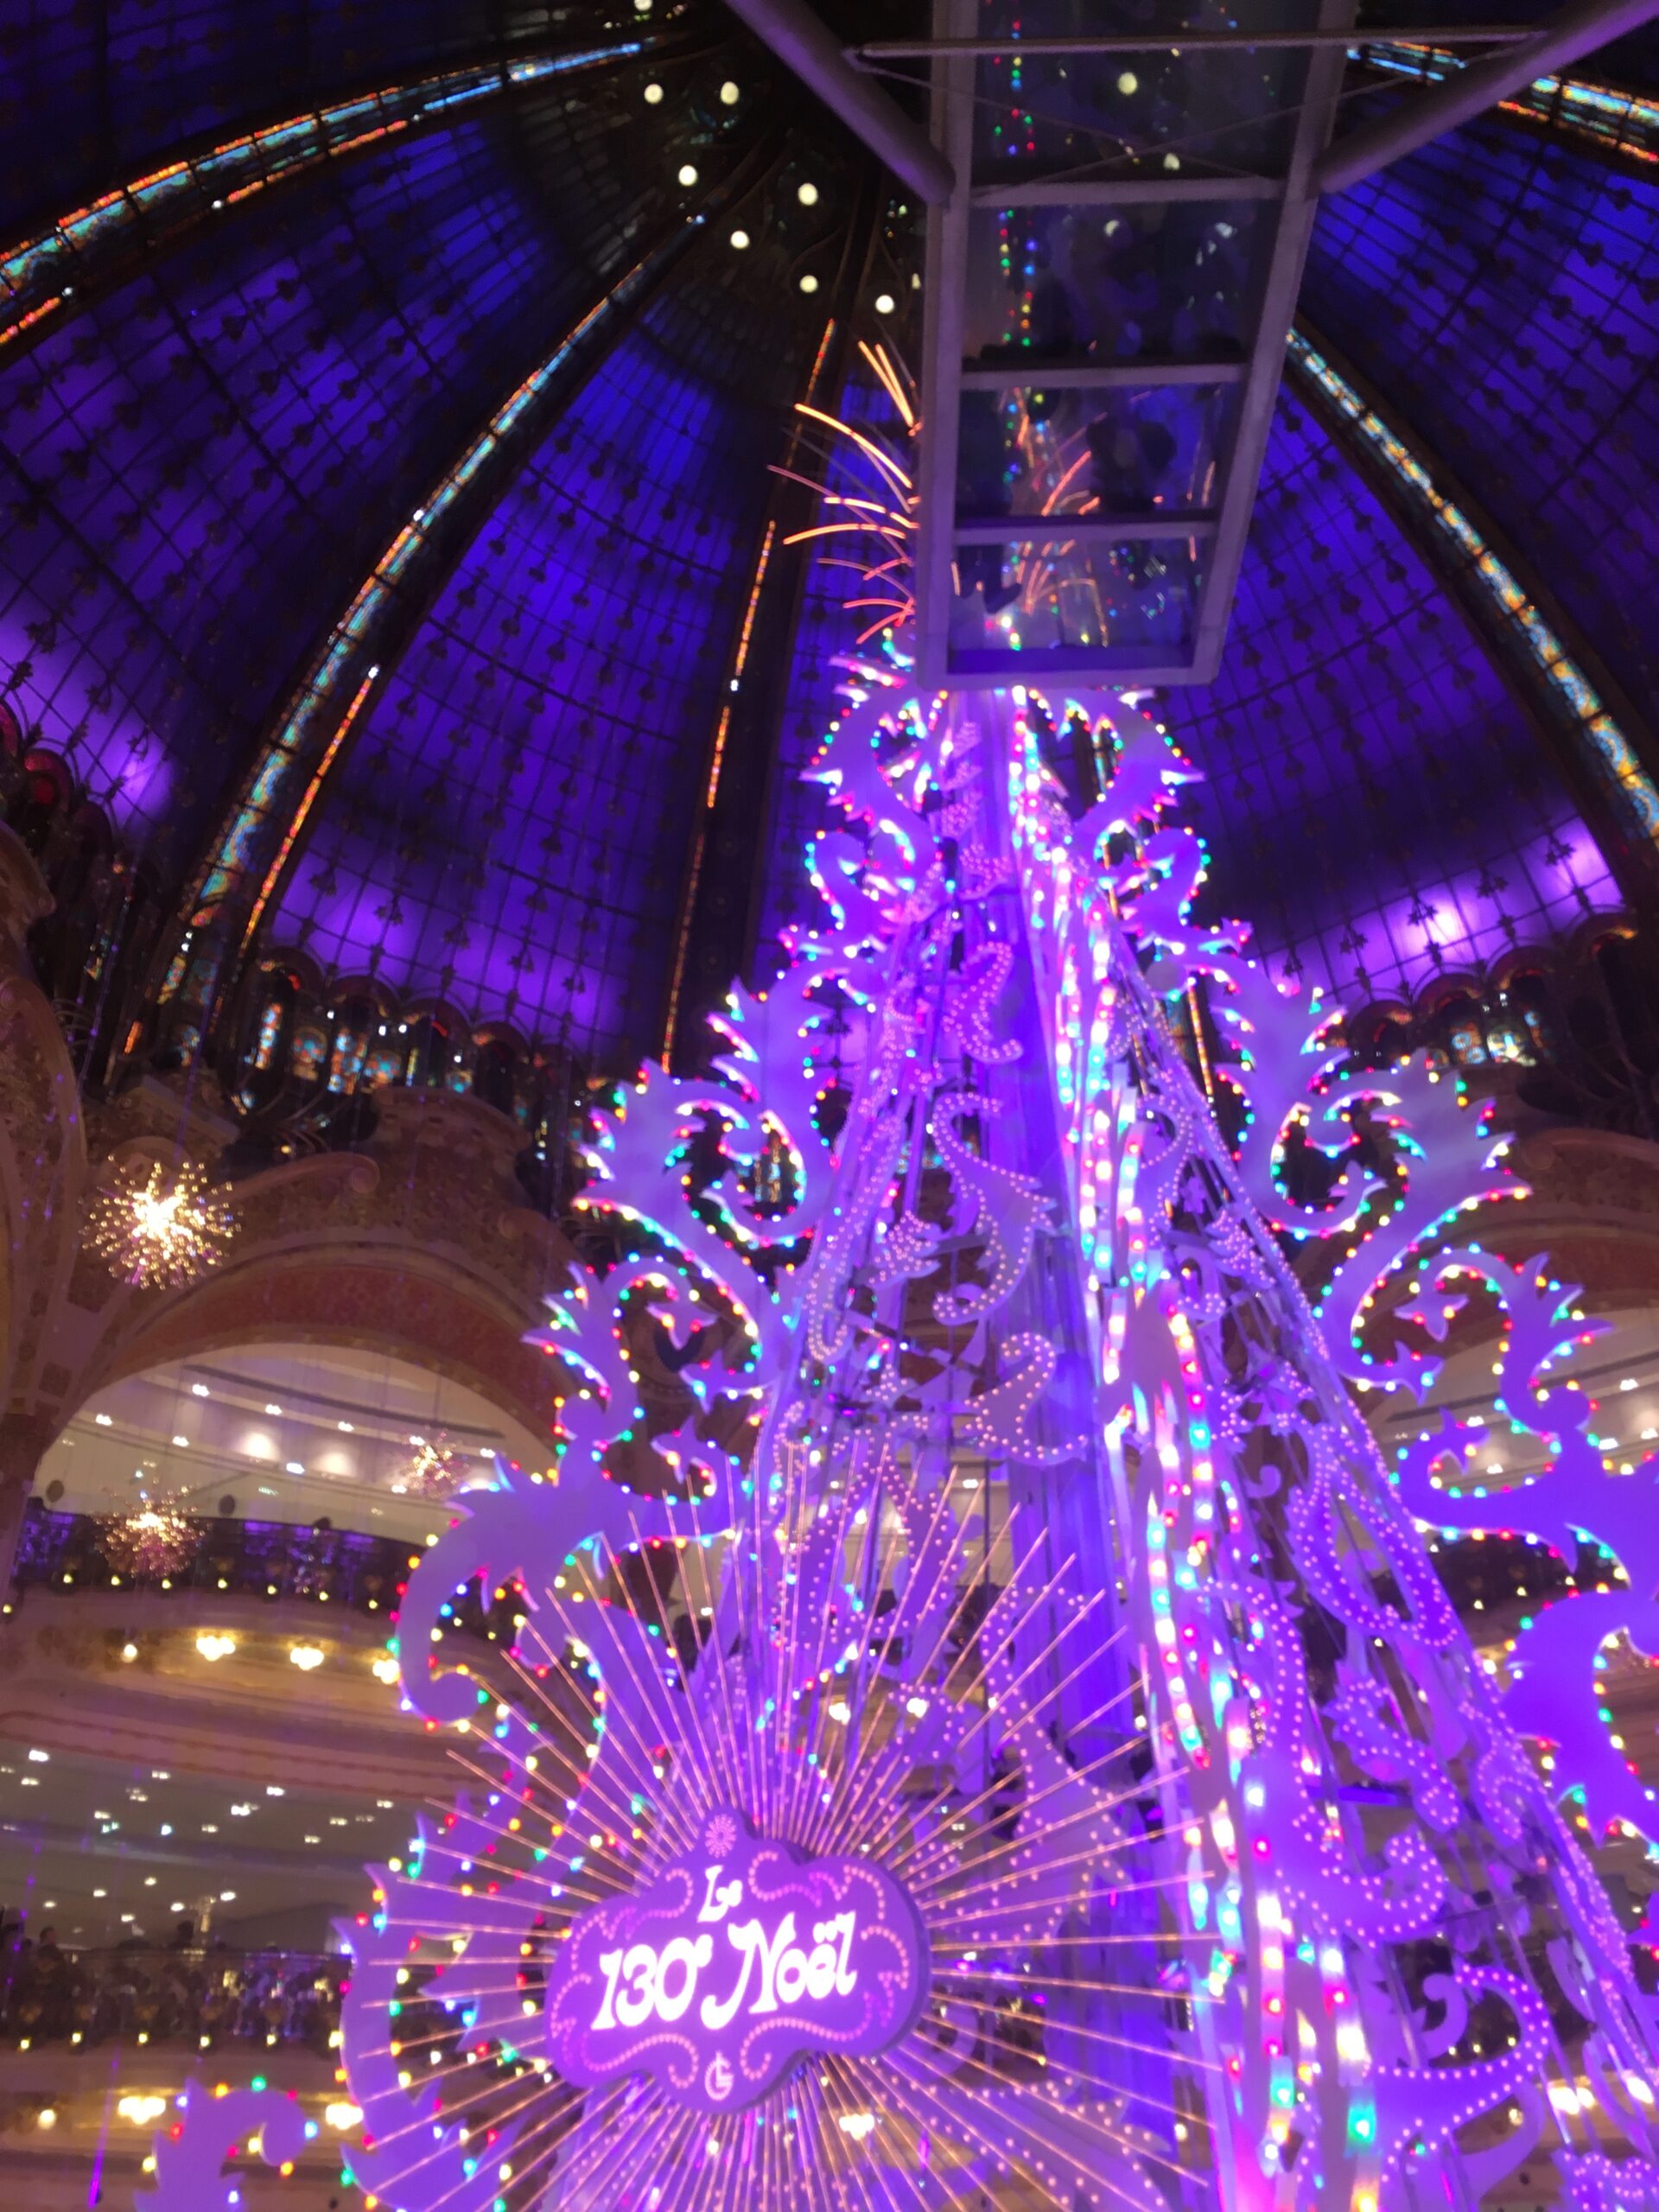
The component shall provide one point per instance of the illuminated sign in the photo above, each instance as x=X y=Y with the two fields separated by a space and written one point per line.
x=731 y=1963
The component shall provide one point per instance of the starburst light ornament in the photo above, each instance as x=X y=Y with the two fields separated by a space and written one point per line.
x=435 y=1469
x=156 y=1229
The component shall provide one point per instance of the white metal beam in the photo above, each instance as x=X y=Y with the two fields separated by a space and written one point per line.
x=801 y=40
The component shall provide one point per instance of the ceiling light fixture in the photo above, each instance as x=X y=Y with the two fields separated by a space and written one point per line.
x=435 y=1468
x=156 y=1231
x=152 y=1541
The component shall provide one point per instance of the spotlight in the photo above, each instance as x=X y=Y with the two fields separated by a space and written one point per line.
x=1128 y=83
x=729 y=94
x=653 y=95
x=688 y=174
x=808 y=195
x=884 y=303
x=740 y=239
x=809 y=282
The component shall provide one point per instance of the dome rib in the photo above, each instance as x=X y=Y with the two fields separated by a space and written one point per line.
x=1376 y=799
x=1497 y=287
x=46 y=280
x=249 y=857
x=1599 y=745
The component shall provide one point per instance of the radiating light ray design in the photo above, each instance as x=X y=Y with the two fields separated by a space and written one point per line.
x=666 y=1752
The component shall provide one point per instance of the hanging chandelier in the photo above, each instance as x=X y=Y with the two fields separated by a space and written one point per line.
x=152 y=1541
x=157 y=1230
x=435 y=1468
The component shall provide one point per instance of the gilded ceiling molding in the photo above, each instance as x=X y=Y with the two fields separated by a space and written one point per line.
x=220 y=913
x=1595 y=737
x=92 y=250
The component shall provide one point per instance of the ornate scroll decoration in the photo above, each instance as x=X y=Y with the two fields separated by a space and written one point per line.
x=192 y=2154
x=1368 y=1806
x=1553 y=1692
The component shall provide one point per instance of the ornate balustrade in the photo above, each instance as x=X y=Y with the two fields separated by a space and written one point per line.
x=272 y=1560
x=194 y=1996
x=262 y=1559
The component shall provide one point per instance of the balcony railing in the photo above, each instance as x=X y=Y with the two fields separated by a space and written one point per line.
x=272 y=1560
x=255 y=1559
x=189 y=1995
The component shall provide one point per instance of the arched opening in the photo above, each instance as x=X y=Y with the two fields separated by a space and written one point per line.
x=290 y=1433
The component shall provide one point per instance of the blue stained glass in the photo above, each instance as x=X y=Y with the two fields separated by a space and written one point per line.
x=511 y=829
x=1498 y=287
x=198 y=473
x=1376 y=801
x=92 y=95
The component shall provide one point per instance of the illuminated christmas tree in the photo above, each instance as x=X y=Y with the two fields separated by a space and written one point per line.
x=1010 y=1744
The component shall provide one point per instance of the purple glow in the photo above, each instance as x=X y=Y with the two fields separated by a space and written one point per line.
x=736 y=1961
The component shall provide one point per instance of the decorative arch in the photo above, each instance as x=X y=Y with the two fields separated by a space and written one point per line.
x=386 y=1298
